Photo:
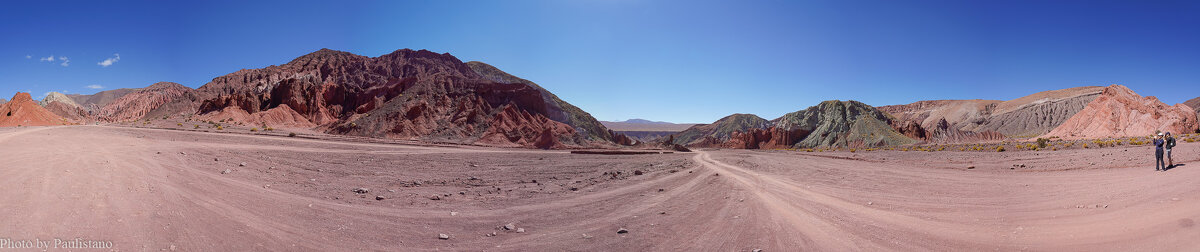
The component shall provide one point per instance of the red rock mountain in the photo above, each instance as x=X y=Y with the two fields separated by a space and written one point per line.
x=23 y=111
x=406 y=94
x=1119 y=112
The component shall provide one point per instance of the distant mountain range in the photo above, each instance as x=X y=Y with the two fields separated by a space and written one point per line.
x=645 y=125
x=1073 y=113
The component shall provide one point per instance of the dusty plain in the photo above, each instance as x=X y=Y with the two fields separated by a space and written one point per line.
x=157 y=189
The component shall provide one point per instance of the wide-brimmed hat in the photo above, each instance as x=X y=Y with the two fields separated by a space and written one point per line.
x=1160 y=133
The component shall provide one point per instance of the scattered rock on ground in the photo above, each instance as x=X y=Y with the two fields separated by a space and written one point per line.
x=379 y=197
x=622 y=230
x=443 y=236
x=226 y=171
x=510 y=226
x=242 y=164
x=360 y=190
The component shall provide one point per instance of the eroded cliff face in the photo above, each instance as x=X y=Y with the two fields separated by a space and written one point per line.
x=1119 y=112
x=986 y=120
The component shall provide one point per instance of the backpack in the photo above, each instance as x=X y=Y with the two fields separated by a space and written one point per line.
x=1170 y=142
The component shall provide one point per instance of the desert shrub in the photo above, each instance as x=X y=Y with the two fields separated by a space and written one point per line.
x=293 y=134
x=852 y=150
x=197 y=126
x=253 y=129
x=179 y=124
x=999 y=148
x=269 y=129
x=1041 y=142
x=220 y=128
x=1085 y=145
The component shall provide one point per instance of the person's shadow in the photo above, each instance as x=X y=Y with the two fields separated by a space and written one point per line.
x=1173 y=167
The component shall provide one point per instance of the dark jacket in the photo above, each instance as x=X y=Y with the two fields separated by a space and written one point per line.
x=1158 y=145
x=1170 y=143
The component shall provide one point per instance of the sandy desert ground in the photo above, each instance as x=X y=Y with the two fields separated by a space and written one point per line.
x=152 y=189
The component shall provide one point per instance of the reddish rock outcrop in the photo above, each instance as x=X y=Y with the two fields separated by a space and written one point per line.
x=406 y=94
x=1119 y=112
x=23 y=111
x=278 y=117
x=910 y=129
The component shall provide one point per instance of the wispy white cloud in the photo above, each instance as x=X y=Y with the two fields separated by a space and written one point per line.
x=110 y=61
x=65 y=61
x=28 y=56
x=94 y=86
x=51 y=58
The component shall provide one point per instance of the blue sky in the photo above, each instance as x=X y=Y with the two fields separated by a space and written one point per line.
x=680 y=61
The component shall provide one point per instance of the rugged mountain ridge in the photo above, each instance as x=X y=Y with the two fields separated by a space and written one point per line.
x=407 y=94
x=828 y=124
x=719 y=131
x=94 y=102
x=1120 y=112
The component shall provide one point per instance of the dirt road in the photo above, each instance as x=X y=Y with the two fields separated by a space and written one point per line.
x=144 y=189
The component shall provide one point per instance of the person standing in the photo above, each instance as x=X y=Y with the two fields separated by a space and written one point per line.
x=1158 y=153
x=1170 y=144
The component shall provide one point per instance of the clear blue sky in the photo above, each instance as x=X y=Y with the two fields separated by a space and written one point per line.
x=680 y=61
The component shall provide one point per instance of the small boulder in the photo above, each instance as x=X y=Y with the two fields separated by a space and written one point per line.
x=444 y=236
x=622 y=231
x=379 y=197
x=510 y=226
x=242 y=164
x=435 y=197
x=360 y=190
x=226 y=171
x=520 y=230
